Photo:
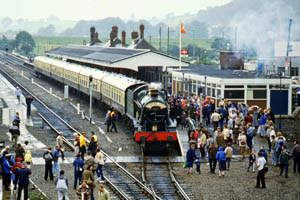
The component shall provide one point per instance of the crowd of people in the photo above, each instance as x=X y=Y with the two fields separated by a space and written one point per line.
x=226 y=124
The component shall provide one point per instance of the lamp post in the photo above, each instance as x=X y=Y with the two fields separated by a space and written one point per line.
x=205 y=87
x=91 y=96
x=280 y=96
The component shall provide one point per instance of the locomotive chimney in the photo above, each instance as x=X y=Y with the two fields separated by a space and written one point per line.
x=134 y=35
x=123 y=38
x=142 y=28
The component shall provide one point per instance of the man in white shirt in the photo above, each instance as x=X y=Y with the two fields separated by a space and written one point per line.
x=215 y=117
x=260 y=163
x=18 y=93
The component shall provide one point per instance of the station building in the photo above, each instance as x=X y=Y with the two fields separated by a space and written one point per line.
x=249 y=87
x=143 y=64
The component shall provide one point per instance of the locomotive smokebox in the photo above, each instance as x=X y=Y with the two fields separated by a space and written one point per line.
x=232 y=60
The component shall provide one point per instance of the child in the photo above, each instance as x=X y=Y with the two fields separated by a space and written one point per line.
x=252 y=159
x=83 y=191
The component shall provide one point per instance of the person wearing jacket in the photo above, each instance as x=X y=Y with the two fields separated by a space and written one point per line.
x=62 y=186
x=201 y=143
x=15 y=168
x=284 y=160
x=296 y=156
x=92 y=147
x=228 y=152
x=6 y=171
x=252 y=159
x=78 y=170
x=83 y=191
x=19 y=152
x=103 y=194
x=48 y=157
x=190 y=158
x=88 y=176
x=221 y=158
x=99 y=160
x=15 y=133
x=212 y=152
x=23 y=181
x=82 y=145
x=56 y=166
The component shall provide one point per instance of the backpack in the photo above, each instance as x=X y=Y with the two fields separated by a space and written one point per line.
x=48 y=157
x=27 y=157
x=61 y=184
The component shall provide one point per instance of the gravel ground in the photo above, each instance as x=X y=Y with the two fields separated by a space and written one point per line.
x=123 y=140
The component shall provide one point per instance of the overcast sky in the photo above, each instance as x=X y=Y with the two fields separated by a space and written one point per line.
x=98 y=9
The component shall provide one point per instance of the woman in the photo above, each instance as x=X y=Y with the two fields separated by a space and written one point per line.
x=255 y=117
x=99 y=160
x=76 y=143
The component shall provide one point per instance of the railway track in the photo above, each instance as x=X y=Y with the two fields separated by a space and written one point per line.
x=159 y=181
x=129 y=188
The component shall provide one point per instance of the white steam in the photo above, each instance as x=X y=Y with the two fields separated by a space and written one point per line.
x=156 y=86
x=262 y=27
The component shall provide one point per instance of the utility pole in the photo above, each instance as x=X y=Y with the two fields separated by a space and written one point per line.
x=168 y=40
x=235 y=38
x=91 y=97
x=150 y=36
x=205 y=87
x=160 y=39
x=193 y=44
x=288 y=62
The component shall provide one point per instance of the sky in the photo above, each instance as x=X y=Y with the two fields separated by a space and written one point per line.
x=99 y=9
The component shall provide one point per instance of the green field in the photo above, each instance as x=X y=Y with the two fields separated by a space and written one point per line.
x=47 y=43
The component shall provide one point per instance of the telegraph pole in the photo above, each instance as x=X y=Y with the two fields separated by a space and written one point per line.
x=160 y=39
x=168 y=40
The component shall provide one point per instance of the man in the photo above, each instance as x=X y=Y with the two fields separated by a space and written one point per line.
x=113 y=121
x=82 y=145
x=219 y=139
x=23 y=175
x=93 y=135
x=62 y=186
x=15 y=133
x=296 y=156
x=228 y=152
x=260 y=163
x=250 y=135
x=223 y=115
x=17 y=119
x=29 y=100
x=215 y=117
x=60 y=142
x=103 y=194
x=6 y=171
x=242 y=144
x=48 y=157
x=56 y=166
x=284 y=160
x=262 y=122
x=18 y=93
x=191 y=126
x=78 y=170
x=212 y=151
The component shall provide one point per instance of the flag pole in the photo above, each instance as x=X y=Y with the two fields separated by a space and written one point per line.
x=180 y=46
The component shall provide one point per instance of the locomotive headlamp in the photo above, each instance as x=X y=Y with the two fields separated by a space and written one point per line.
x=154 y=128
x=139 y=129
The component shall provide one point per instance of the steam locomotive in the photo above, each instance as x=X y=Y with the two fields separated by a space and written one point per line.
x=145 y=106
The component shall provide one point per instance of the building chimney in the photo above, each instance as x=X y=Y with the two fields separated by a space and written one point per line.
x=114 y=30
x=92 y=31
x=134 y=35
x=142 y=28
x=123 y=38
x=96 y=37
x=111 y=38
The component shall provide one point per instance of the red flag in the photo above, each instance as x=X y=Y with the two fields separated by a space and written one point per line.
x=182 y=30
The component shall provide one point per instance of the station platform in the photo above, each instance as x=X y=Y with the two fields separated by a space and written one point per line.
x=9 y=105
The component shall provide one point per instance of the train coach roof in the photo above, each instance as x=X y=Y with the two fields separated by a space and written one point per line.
x=119 y=81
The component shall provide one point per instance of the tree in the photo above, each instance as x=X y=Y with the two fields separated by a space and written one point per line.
x=47 y=31
x=24 y=43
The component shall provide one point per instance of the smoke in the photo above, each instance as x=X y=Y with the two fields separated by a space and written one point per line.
x=260 y=27
x=156 y=86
